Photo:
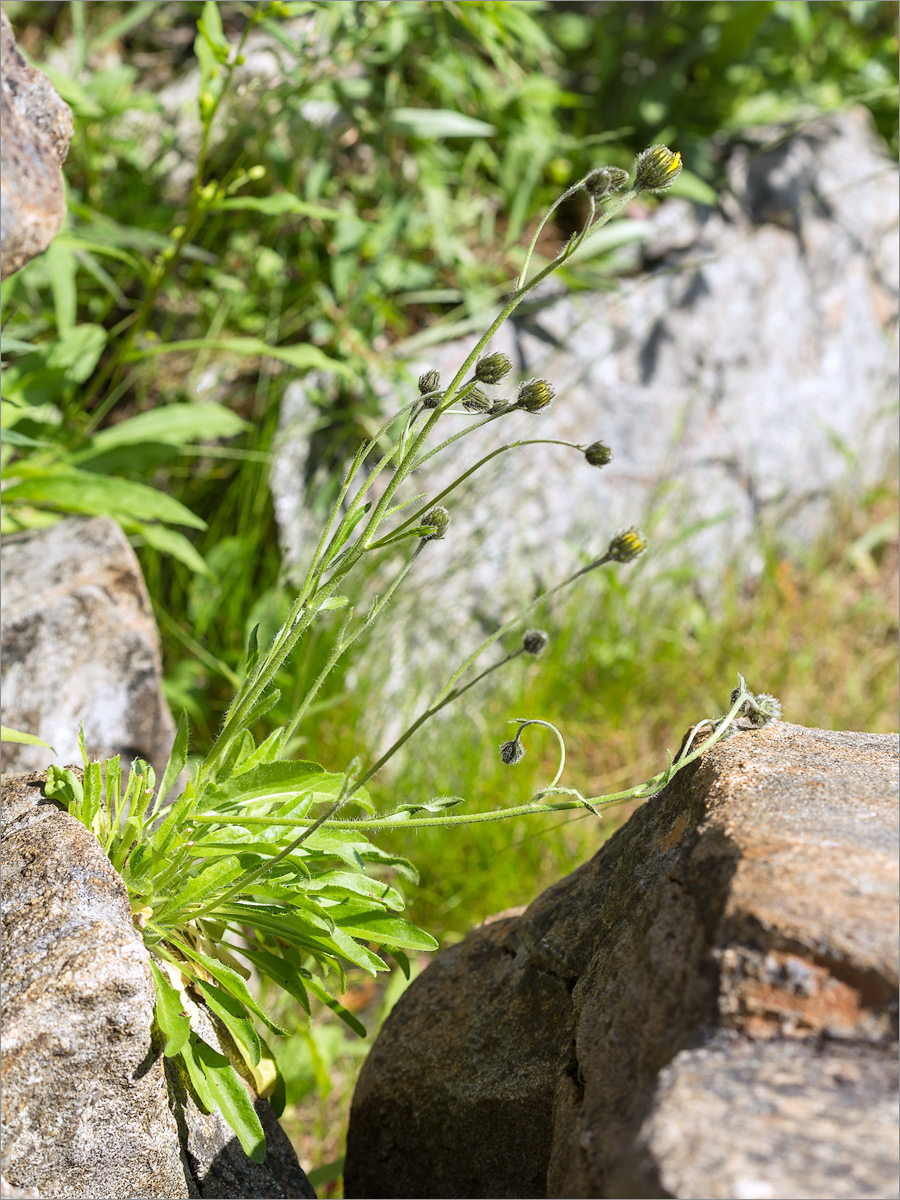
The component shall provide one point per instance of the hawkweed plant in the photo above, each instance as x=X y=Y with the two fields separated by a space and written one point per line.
x=265 y=863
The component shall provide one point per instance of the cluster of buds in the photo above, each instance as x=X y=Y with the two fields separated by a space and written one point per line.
x=477 y=401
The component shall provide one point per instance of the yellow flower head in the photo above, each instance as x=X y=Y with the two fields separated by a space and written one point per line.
x=656 y=169
x=626 y=546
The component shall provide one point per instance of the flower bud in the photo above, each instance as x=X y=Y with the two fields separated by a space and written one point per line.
x=535 y=641
x=626 y=546
x=429 y=381
x=512 y=752
x=535 y=395
x=477 y=401
x=759 y=710
x=492 y=368
x=598 y=454
x=501 y=406
x=440 y=519
x=604 y=181
x=656 y=169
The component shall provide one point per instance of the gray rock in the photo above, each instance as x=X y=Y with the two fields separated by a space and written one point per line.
x=90 y=1108
x=37 y=128
x=80 y=643
x=748 y=378
x=706 y=1008
x=85 y=1104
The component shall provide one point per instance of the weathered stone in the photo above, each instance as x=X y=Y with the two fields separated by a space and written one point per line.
x=80 y=644
x=85 y=1103
x=692 y=1013
x=90 y=1108
x=36 y=131
x=748 y=377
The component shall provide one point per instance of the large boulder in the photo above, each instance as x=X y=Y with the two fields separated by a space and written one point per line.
x=707 y=1008
x=80 y=644
x=745 y=376
x=90 y=1108
x=36 y=131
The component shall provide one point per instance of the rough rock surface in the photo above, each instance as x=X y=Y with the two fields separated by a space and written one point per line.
x=80 y=644
x=36 y=131
x=706 y=1008
x=750 y=375
x=90 y=1108
x=85 y=1103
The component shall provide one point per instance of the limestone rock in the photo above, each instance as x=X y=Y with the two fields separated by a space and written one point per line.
x=85 y=1103
x=750 y=375
x=37 y=128
x=706 y=1008
x=80 y=643
x=90 y=1108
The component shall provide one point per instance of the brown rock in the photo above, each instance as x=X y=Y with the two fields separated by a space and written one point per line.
x=76 y=612
x=36 y=131
x=694 y=1012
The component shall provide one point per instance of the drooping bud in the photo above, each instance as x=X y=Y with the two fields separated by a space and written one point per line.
x=656 y=169
x=604 y=181
x=625 y=547
x=429 y=381
x=535 y=641
x=477 y=401
x=492 y=368
x=439 y=518
x=512 y=752
x=759 y=710
x=535 y=395
x=598 y=454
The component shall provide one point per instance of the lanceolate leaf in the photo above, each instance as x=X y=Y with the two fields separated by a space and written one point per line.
x=278 y=970
x=171 y=1018
x=385 y=929
x=234 y=1015
x=232 y=1097
x=230 y=981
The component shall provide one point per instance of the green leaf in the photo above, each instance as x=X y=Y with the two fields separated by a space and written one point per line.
x=215 y=876
x=336 y=1007
x=170 y=1016
x=333 y=883
x=282 y=203
x=231 y=982
x=78 y=351
x=438 y=804
x=26 y=739
x=252 y=651
x=232 y=1098
x=177 y=759
x=270 y=780
x=438 y=123
x=265 y=752
x=171 y=542
x=197 y=1075
x=233 y=1015
x=278 y=970
x=384 y=928
x=303 y=357
x=174 y=424
x=63 y=785
x=71 y=490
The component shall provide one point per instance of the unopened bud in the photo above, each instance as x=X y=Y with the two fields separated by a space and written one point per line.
x=501 y=406
x=477 y=401
x=656 y=169
x=492 y=368
x=439 y=519
x=429 y=381
x=598 y=454
x=604 y=181
x=535 y=395
x=535 y=641
x=512 y=752
x=627 y=546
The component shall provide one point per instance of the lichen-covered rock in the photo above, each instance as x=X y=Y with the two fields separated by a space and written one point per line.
x=90 y=1108
x=80 y=644
x=694 y=1012
x=36 y=131
x=85 y=1104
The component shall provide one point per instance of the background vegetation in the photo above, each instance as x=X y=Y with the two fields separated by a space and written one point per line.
x=381 y=164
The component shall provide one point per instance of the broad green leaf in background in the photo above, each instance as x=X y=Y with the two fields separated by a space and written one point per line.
x=27 y=739
x=283 y=203
x=303 y=357
x=438 y=123
x=176 y=424
x=70 y=490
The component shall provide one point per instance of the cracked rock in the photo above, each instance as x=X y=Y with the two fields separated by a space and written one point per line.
x=707 y=1008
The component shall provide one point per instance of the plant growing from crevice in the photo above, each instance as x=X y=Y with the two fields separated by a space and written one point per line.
x=265 y=863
